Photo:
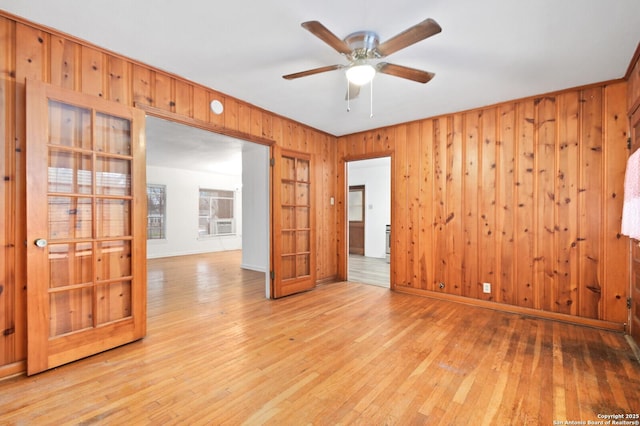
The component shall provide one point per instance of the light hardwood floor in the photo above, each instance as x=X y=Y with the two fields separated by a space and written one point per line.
x=217 y=352
x=368 y=270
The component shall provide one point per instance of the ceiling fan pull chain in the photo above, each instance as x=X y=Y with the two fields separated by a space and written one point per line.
x=348 y=96
x=371 y=99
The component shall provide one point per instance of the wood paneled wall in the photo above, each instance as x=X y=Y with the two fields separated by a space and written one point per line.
x=525 y=195
x=29 y=51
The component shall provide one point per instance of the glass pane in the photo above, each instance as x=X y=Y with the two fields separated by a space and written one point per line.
x=302 y=218
x=113 y=176
x=303 y=269
x=288 y=194
x=112 y=218
x=156 y=196
x=302 y=194
x=355 y=206
x=114 y=259
x=288 y=242
x=222 y=209
x=288 y=267
x=70 y=264
x=288 y=168
x=355 y=198
x=204 y=226
x=113 y=134
x=303 y=241
x=69 y=217
x=69 y=125
x=204 y=208
x=70 y=311
x=113 y=301
x=156 y=202
x=216 y=193
x=288 y=218
x=355 y=213
x=155 y=227
x=69 y=172
x=302 y=171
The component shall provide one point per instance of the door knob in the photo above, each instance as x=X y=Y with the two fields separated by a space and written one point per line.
x=41 y=242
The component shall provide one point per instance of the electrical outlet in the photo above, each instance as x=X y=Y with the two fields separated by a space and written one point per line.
x=486 y=287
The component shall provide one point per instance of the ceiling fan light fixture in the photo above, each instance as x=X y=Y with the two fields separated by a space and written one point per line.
x=360 y=74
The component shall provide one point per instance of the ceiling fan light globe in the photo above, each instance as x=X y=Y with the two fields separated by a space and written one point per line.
x=360 y=74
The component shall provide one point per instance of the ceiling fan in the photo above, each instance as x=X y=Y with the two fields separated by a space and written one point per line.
x=363 y=49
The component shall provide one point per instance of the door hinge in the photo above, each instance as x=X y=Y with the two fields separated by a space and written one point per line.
x=628 y=303
x=272 y=161
x=273 y=275
x=629 y=143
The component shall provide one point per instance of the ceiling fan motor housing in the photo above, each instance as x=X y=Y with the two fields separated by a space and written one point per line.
x=363 y=45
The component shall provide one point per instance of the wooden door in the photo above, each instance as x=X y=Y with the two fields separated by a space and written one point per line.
x=356 y=219
x=634 y=292
x=294 y=252
x=86 y=226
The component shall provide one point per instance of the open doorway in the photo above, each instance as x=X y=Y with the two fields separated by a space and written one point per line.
x=369 y=207
x=215 y=193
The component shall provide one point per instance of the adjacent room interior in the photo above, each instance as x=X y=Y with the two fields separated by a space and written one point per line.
x=200 y=182
x=369 y=210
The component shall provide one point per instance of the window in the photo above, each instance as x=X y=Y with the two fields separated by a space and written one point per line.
x=216 y=215
x=156 y=211
x=356 y=203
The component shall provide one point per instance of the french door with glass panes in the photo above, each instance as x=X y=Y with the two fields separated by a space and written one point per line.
x=86 y=226
x=294 y=251
x=634 y=291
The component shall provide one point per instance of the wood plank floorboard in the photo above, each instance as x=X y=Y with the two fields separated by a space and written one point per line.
x=218 y=352
x=368 y=270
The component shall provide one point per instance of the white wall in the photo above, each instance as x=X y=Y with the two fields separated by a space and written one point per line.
x=255 y=203
x=181 y=233
x=375 y=175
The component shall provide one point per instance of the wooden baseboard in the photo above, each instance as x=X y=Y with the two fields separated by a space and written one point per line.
x=13 y=369
x=328 y=280
x=536 y=313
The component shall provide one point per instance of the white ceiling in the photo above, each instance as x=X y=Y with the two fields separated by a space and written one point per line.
x=178 y=146
x=489 y=51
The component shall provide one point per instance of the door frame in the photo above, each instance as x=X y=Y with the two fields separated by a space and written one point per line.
x=343 y=260
x=247 y=137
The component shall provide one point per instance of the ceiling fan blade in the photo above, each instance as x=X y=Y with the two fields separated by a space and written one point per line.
x=405 y=72
x=320 y=31
x=412 y=35
x=353 y=92
x=312 y=72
